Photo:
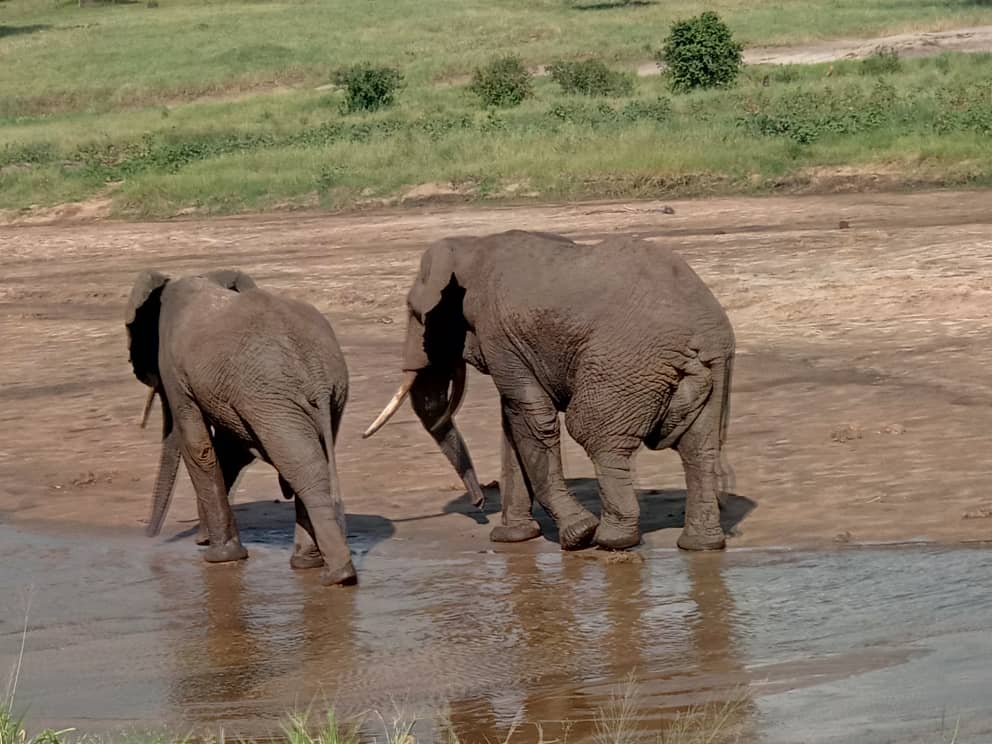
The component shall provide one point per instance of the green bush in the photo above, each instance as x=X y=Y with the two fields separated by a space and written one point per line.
x=882 y=62
x=590 y=77
x=369 y=88
x=701 y=53
x=503 y=82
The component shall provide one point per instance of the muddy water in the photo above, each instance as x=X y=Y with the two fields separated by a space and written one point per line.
x=883 y=644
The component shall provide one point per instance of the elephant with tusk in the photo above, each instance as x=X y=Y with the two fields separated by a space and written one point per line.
x=623 y=337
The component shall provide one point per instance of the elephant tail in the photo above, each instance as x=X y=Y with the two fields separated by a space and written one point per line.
x=328 y=433
x=168 y=466
x=728 y=480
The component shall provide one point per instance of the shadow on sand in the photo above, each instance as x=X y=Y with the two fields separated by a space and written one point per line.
x=271 y=522
x=661 y=509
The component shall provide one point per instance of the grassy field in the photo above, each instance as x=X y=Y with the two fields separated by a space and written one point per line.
x=215 y=106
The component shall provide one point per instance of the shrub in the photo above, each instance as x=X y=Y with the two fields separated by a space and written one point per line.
x=368 y=88
x=701 y=53
x=883 y=62
x=503 y=82
x=590 y=78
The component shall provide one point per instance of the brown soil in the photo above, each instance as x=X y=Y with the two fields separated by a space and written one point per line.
x=862 y=408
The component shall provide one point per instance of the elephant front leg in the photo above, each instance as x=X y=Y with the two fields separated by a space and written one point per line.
x=536 y=433
x=233 y=457
x=211 y=491
x=517 y=522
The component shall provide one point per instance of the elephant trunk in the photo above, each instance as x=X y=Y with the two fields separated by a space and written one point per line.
x=168 y=466
x=428 y=391
x=434 y=408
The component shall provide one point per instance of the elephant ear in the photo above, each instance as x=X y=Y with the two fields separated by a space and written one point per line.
x=436 y=333
x=141 y=322
x=232 y=279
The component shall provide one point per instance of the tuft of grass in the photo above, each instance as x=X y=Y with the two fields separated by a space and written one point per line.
x=707 y=724
x=616 y=721
x=298 y=729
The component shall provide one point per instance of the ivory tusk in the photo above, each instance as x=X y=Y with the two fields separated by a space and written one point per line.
x=455 y=401
x=393 y=405
x=148 y=408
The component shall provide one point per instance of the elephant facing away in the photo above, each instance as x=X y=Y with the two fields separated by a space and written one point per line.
x=242 y=373
x=623 y=337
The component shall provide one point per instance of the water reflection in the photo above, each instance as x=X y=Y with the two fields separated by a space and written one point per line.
x=491 y=646
x=128 y=637
x=250 y=644
x=590 y=634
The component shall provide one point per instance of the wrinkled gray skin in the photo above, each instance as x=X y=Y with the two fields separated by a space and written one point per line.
x=623 y=337
x=242 y=373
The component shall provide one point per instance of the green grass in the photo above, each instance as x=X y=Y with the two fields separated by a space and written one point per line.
x=57 y=56
x=139 y=104
x=779 y=129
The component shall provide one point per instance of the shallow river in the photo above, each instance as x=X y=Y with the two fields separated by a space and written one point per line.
x=857 y=644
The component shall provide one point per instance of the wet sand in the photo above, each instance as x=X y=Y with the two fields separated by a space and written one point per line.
x=861 y=398
x=860 y=414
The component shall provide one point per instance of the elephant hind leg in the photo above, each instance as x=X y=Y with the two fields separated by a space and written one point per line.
x=306 y=554
x=699 y=447
x=610 y=424
x=619 y=527
x=691 y=394
x=310 y=473
x=533 y=424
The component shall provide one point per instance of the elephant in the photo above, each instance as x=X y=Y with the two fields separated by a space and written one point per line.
x=622 y=337
x=242 y=374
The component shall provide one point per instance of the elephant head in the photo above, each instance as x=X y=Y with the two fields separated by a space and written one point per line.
x=142 y=318
x=433 y=359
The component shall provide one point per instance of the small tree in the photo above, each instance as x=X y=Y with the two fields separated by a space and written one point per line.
x=503 y=82
x=701 y=53
x=368 y=88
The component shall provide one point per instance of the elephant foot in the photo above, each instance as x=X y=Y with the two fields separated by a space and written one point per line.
x=343 y=576
x=702 y=540
x=304 y=560
x=512 y=533
x=202 y=536
x=579 y=533
x=230 y=551
x=615 y=537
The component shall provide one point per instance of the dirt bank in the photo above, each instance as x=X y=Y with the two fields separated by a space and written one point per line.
x=913 y=44
x=862 y=407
